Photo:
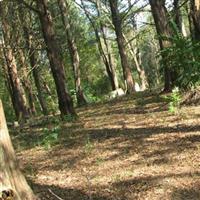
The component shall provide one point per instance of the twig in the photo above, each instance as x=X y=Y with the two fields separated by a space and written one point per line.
x=55 y=195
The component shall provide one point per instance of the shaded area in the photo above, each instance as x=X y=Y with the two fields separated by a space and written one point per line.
x=186 y=194
x=137 y=188
x=125 y=143
x=49 y=192
x=125 y=154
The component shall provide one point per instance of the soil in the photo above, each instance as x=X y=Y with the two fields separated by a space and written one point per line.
x=130 y=148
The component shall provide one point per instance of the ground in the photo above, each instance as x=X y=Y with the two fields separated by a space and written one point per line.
x=126 y=149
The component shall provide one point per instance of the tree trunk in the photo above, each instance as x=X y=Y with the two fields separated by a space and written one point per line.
x=18 y=95
x=195 y=13
x=112 y=77
x=139 y=69
x=73 y=52
x=33 y=62
x=36 y=75
x=177 y=15
x=108 y=54
x=55 y=59
x=116 y=19
x=135 y=52
x=9 y=85
x=11 y=178
x=27 y=83
x=163 y=30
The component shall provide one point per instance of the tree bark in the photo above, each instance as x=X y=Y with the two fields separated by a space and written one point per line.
x=27 y=83
x=195 y=13
x=35 y=72
x=11 y=178
x=135 y=53
x=64 y=9
x=177 y=15
x=54 y=54
x=18 y=95
x=117 y=22
x=108 y=54
x=33 y=61
x=111 y=73
x=139 y=69
x=163 y=30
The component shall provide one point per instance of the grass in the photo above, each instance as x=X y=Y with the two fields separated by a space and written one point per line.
x=128 y=148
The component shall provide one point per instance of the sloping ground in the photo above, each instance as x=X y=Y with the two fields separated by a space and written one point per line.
x=126 y=149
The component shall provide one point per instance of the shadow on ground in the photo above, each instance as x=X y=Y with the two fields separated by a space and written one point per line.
x=52 y=192
x=129 y=189
x=136 y=188
x=186 y=194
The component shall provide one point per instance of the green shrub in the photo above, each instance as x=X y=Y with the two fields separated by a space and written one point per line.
x=183 y=58
x=50 y=137
x=174 y=100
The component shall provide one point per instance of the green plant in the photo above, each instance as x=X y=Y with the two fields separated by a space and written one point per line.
x=88 y=145
x=182 y=57
x=50 y=137
x=69 y=118
x=174 y=100
x=99 y=161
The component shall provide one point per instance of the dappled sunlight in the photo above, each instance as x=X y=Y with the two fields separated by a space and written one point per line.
x=121 y=155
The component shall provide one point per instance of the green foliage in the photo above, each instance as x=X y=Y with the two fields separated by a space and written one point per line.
x=174 y=100
x=88 y=145
x=69 y=118
x=5 y=97
x=50 y=137
x=183 y=58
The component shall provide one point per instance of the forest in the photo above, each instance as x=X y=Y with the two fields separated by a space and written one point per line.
x=99 y=99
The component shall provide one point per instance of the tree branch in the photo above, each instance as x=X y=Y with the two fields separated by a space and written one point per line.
x=28 y=6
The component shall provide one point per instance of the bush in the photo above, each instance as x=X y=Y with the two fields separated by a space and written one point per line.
x=183 y=58
x=174 y=100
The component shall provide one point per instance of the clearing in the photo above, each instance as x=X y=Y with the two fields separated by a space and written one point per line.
x=125 y=149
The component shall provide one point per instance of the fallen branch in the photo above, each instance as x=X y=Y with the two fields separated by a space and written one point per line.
x=55 y=195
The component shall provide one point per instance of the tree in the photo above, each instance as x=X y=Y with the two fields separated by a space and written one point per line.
x=105 y=53
x=26 y=82
x=160 y=16
x=28 y=37
x=177 y=15
x=17 y=91
x=117 y=22
x=195 y=13
x=54 y=54
x=135 y=51
x=64 y=9
x=11 y=177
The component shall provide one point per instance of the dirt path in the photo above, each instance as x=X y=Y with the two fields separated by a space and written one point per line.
x=127 y=149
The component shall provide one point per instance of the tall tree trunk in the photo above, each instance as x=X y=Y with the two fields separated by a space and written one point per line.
x=178 y=18
x=55 y=59
x=135 y=52
x=139 y=69
x=11 y=178
x=195 y=13
x=163 y=30
x=64 y=9
x=108 y=54
x=27 y=83
x=112 y=77
x=34 y=68
x=117 y=22
x=9 y=85
x=17 y=89
x=112 y=67
x=19 y=97
x=33 y=61
x=177 y=15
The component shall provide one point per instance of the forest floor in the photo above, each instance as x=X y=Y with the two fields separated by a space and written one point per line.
x=125 y=149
